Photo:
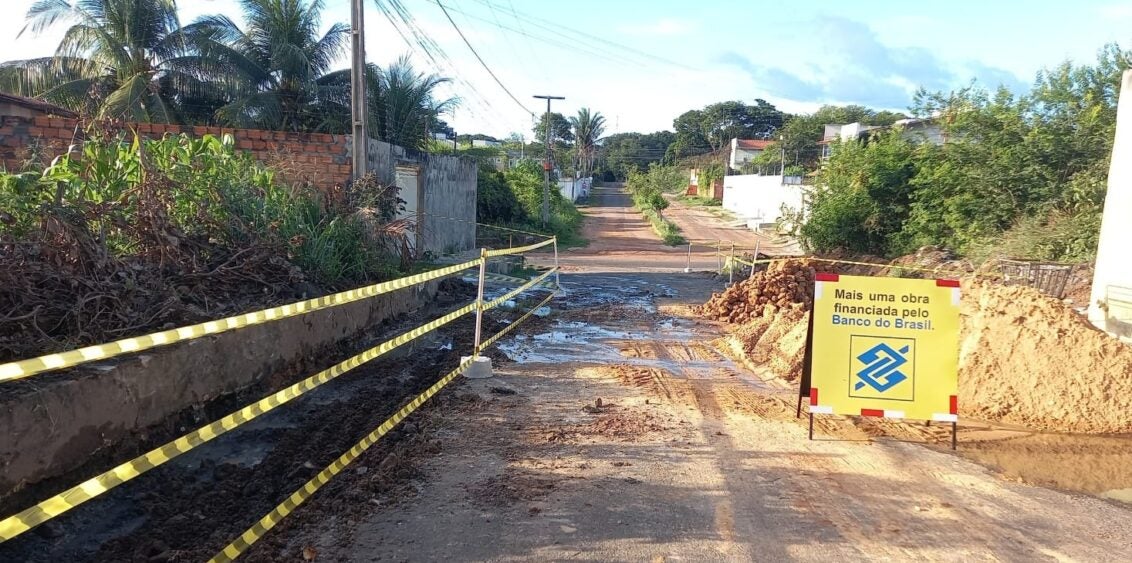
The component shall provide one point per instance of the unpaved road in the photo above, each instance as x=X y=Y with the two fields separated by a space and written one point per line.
x=688 y=456
x=622 y=240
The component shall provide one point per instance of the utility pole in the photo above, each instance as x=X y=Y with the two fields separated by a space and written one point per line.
x=359 y=131
x=546 y=165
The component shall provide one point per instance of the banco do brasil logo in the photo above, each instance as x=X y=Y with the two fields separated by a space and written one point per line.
x=883 y=364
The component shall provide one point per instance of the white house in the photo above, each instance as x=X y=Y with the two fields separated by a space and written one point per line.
x=486 y=143
x=760 y=200
x=915 y=130
x=744 y=150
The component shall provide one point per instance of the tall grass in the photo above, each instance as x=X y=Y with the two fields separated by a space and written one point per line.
x=134 y=194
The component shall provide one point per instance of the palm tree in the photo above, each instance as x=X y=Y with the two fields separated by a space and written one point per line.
x=588 y=129
x=402 y=103
x=119 y=59
x=275 y=65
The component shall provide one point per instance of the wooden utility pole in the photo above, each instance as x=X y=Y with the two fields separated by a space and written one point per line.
x=546 y=165
x=359 y=130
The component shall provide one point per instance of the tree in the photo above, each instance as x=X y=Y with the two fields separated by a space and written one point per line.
x=588 y=129
x=561 y=131
x=713 y=127
x=403 y=109
x=863 y=196
x=277 y=61
x=119 y=59
x=623 y=153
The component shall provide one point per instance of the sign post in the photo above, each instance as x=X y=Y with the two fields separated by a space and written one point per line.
x=884 y=347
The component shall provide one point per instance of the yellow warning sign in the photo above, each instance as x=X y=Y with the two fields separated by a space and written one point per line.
x=885 y=347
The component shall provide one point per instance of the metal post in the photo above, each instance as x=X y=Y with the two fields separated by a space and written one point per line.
x=731 y=269
x=479 y=301
x=360 y=135
x=557 y=282
x=718 y=257
x=755 y=258
x=688 y=264
x=954 y=435
x=546 y=165
x=811 y=426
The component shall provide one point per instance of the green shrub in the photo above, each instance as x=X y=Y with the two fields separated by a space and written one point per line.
x=496 y=202
x=137 y=196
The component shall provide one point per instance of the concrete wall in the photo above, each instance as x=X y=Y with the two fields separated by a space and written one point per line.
x=448 y=204
x=1110 y=306
x=439 y=190
x=759 y=199
x=575 y=189
x=54 y=423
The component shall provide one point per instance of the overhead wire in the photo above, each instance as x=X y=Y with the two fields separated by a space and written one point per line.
x=405 y=24
x=557 y=27
x=480 y=59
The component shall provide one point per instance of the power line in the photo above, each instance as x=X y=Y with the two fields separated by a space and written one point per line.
x=558 y=26
x=480 y=59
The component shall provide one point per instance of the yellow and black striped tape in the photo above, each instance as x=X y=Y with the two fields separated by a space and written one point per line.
x=501 y=299
x=517 y=322
x=26 y=368
x=851 y=262
x=23 y=521
x=486 y=225
x=520 y=249
x=509 y=280
x=260 y=528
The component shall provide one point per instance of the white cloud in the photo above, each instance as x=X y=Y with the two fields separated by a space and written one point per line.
x=662 y=27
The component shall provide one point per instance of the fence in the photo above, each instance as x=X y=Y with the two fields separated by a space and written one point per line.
x=19 y=523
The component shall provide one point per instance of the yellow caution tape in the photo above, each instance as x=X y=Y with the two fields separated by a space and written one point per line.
x=486 y=225
x=25 y=520
x=520 y=249
x=501 y=299
x=26 y=368
x=259 y=529
x=851 y=262
x=509 y=280
x=519 y=321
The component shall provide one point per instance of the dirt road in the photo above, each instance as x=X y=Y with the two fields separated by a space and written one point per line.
x=700 y=224
x=618 y=432
x=621 y=239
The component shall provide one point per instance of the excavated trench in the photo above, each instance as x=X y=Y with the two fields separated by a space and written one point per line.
x=191 y=507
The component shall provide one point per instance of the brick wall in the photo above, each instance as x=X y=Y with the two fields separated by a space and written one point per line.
x=323 y=160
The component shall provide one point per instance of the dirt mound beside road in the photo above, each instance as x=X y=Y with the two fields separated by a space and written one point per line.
x=1025 y=358
x=1028 y=359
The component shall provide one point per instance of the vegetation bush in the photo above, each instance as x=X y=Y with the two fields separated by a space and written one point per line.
x=1026 y=173
x=647 y=190
x=180 y=196
x=514 y=199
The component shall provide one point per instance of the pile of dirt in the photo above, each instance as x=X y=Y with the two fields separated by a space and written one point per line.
x=776 y=340
x=1029 y=359
x=772 y=308
x=788 y=284
x=1025 y=358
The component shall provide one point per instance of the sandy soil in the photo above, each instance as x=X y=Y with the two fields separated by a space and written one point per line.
x=631 y=438
x=702 y=226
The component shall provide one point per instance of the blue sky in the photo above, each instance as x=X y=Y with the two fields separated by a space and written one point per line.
x=643 y=62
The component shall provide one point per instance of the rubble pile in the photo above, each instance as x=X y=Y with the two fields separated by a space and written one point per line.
x=788 y=284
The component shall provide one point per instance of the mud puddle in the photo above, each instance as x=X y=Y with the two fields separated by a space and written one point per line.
x=1098 y=465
